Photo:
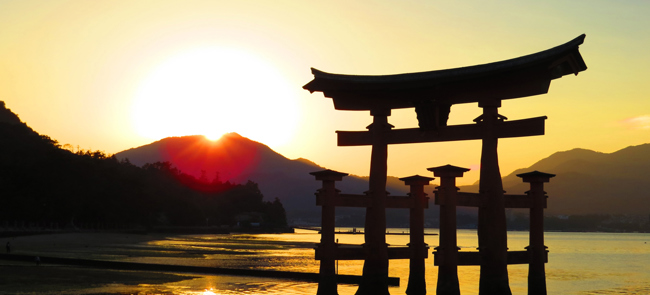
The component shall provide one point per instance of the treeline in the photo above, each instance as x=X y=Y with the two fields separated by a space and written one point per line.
x=44 y=183
x=209 y=202
x=599 y=223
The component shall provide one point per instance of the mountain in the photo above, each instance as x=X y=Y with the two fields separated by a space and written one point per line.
x=590 y=182
x=587 y=182
x=233 y=157
x=238 y=159
x=45 y=185
x=41 y=181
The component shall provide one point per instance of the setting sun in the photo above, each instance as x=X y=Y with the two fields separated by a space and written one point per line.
x=212 y=136
x=212 y=91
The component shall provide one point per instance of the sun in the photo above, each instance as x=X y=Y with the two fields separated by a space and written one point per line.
x=212 y=91
x=212 y=137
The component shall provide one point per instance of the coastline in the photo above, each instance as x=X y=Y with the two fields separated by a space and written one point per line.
x=93 y=262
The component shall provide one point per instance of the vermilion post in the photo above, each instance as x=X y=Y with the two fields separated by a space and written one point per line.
x=536 y=247
x=492 y=232
x=448 y=248
x=417 y=284
x=375 y=268
x=327 y=248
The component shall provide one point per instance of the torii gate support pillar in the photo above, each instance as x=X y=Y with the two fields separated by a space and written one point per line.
x=536 y=248
x=417 y=284
x=446 y=195
x=327 y=247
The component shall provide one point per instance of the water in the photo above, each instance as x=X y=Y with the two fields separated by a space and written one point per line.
x=579 y=263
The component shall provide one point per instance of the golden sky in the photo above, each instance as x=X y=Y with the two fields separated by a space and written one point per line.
x=112 y=75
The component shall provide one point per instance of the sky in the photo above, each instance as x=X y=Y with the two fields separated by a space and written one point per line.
x=113 y=75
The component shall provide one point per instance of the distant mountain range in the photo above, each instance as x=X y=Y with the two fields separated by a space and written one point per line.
x=587 y=182
x=38 y=171
x=590 y=182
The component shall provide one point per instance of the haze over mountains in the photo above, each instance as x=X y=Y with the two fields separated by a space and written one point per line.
x=587 y=182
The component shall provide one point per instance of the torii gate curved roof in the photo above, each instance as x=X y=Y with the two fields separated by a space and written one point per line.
x=518 y=77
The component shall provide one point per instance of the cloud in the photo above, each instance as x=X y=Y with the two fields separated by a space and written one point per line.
x=637 y=123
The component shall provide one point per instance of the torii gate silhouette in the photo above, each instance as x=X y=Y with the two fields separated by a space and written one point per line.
x=432 y=94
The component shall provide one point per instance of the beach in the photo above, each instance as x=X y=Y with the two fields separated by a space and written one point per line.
x=29 y=278
x=25 y=277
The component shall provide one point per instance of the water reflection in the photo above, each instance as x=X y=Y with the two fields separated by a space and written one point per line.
x=583 y=263
x=579 y=263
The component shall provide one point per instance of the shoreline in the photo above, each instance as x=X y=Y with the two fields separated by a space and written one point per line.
x=9 y=233
x=120 y=265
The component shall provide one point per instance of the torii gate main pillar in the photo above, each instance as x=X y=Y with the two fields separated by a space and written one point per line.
x=375 y=267
x=492 y=234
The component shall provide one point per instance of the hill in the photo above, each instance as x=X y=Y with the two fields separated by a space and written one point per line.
x=590 y=182
x=238 y=159
x=42 y=183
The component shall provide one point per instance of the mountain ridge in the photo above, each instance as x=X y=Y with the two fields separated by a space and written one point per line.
x=277 y=176
x=590 y=182
x=585 y=183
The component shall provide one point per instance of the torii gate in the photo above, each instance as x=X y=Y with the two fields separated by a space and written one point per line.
x=432 y=94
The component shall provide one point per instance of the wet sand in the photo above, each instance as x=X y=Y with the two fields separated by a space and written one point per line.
x=26 y=277
x=16 y=278
x=244 y=252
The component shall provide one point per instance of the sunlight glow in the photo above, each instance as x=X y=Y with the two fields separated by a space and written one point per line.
x=212 y=136
x=212 y=91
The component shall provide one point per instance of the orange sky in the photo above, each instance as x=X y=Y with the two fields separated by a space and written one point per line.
x=111 y=75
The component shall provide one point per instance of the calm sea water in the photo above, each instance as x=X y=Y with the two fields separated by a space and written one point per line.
x=579 y=263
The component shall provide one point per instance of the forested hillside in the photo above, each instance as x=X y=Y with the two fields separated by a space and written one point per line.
x=41 y=182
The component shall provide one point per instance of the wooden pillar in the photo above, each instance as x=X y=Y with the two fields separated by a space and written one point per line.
x=448 y=245
x=327 y=246
x=536 y=248
x=492 y=233
x=375 y=268
x=417 y=284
